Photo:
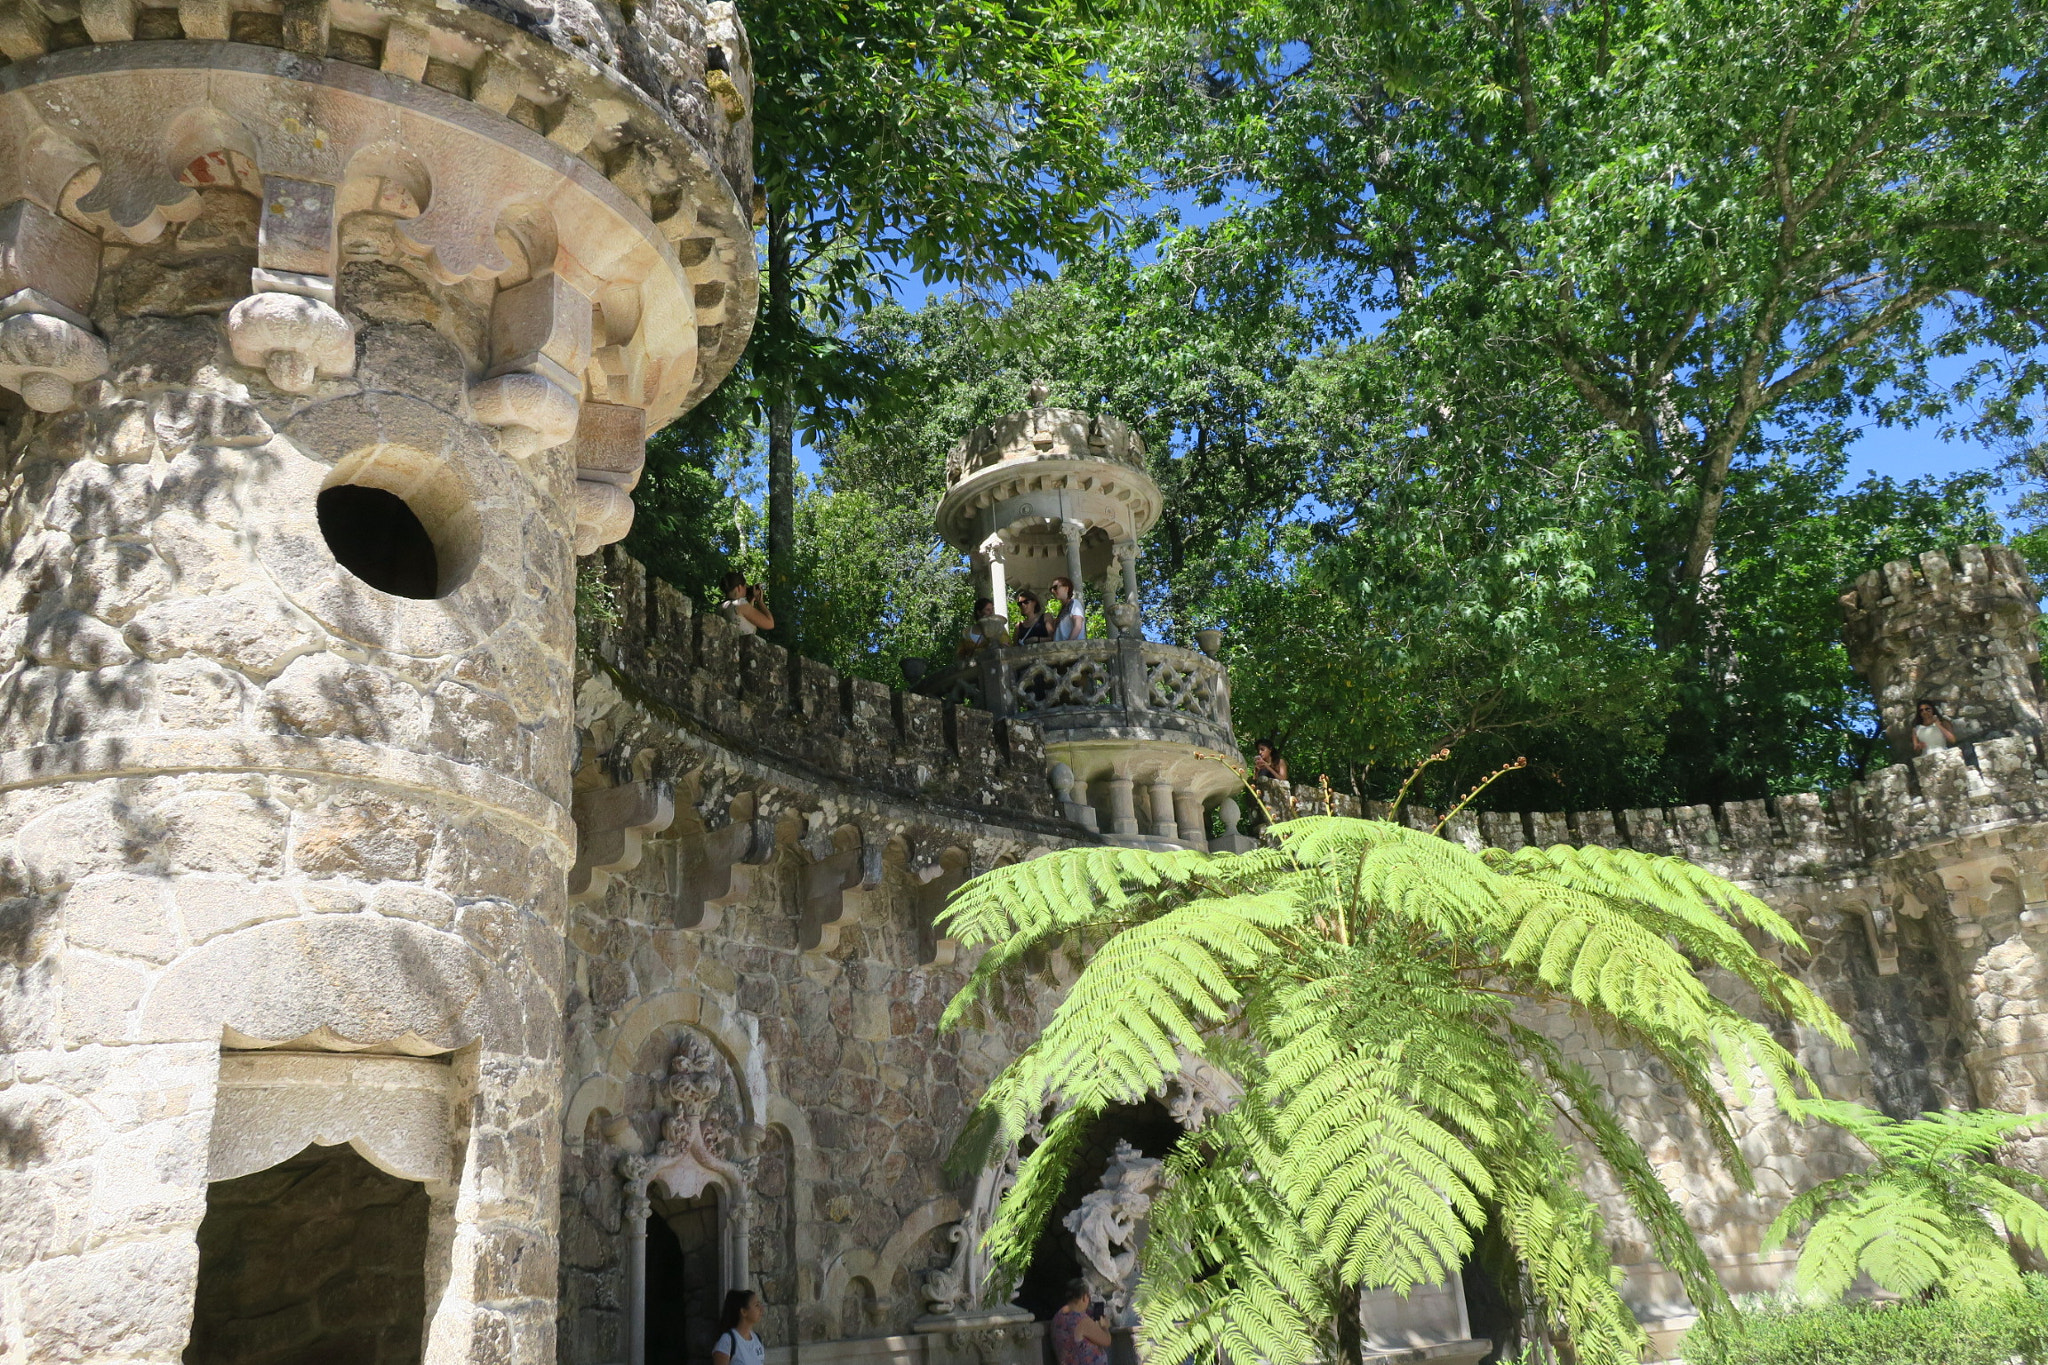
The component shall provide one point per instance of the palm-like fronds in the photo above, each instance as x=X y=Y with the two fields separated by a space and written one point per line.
x=1934 y=1213
x=1360 y=980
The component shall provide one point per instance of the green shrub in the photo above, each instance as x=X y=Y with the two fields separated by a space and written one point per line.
x=2012 y=1330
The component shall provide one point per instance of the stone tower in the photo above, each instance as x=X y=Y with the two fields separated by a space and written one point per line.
x=1138 y=732
x=1954 y=628
x=331 y=334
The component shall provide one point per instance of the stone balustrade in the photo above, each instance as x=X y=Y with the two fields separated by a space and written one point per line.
x=1099 y=685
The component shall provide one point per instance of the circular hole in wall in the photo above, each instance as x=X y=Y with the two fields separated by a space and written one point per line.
x=401 y=521
x=376 y=537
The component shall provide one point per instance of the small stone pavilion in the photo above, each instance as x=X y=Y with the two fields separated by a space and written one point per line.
x=1138 y=732
x=392 y=973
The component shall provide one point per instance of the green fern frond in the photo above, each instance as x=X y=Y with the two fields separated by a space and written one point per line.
x=1920 y=1219
x=1361 y=981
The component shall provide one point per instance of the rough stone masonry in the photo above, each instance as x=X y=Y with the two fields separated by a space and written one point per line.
x=385 y=977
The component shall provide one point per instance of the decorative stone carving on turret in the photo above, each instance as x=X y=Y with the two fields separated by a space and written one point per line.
x=1954 y=627
x=305 y=305
x=48 y=271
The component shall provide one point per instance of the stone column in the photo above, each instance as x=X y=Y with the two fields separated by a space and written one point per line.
x=1123 y=810
x=326 y=372
x=1187 y=809
x=638 y=1208
x=1164 y=823
x=1072 y=531
x=994 y=555
x=1110 y=576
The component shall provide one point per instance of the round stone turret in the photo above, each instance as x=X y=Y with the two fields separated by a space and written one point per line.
x=1048 y=492
x=1956 y=628
x=1137 y=733
x=330 y=335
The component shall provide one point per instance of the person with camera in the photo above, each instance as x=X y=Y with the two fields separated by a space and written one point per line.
x=745 y=605
x=1078 y=1336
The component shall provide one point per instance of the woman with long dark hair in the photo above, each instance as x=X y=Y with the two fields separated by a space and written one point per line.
x=738 y=1343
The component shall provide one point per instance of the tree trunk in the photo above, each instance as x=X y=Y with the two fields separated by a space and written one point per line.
x=1350 y=1331
x=780 y=384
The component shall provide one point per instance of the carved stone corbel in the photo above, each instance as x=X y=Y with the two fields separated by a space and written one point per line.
x=294 y=339
x=48 y=270
x=289 y=327
x=610 y=824
x=701 y=868
x=540 y=344
x=826 y=883
x=937 y=882
x=611 y=450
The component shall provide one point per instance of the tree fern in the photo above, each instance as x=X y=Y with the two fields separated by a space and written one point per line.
x=1362 y=981
x=1934 y=1213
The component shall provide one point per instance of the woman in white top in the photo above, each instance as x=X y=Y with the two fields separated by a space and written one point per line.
x=745 y=605
x=1071 y=625
x=738 y=1343
x=1931 y=729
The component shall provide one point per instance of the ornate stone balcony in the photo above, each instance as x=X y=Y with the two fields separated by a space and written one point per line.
x=1125 y=721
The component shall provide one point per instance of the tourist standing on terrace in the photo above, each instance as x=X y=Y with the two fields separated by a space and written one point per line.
x=1072 y=626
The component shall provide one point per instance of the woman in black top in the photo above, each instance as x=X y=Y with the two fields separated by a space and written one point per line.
x=1035 y=628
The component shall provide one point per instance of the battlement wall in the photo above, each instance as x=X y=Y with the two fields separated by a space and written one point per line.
x=756 y=697
x=1935 y=798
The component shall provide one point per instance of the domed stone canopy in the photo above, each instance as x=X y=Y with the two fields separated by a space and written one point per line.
x=1048 y=491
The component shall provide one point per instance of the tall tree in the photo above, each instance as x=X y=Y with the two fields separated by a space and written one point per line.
x=956 y=139
x=1697 y=218
x=1398 y=568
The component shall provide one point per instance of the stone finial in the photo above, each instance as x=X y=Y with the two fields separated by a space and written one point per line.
x=1951 y=626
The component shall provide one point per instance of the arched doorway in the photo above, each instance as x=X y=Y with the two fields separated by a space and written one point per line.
x=320 y=1257
x=1147 y=1126
x=685 y=1277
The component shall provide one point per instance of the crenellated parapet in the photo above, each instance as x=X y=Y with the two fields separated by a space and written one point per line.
x=757 y=698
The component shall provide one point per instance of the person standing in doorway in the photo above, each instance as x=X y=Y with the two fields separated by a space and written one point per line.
x=1078 y=1337
x=739 y=1343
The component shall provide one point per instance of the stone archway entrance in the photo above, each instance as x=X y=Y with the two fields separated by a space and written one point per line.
x=320 y=1257
x=685 y=1277
x=1149 y=1128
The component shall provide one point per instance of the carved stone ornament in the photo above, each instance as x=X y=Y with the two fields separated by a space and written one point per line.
x=1110 y=1226
x=294 y=339
x=696 y=1150
x=1199 y=1091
